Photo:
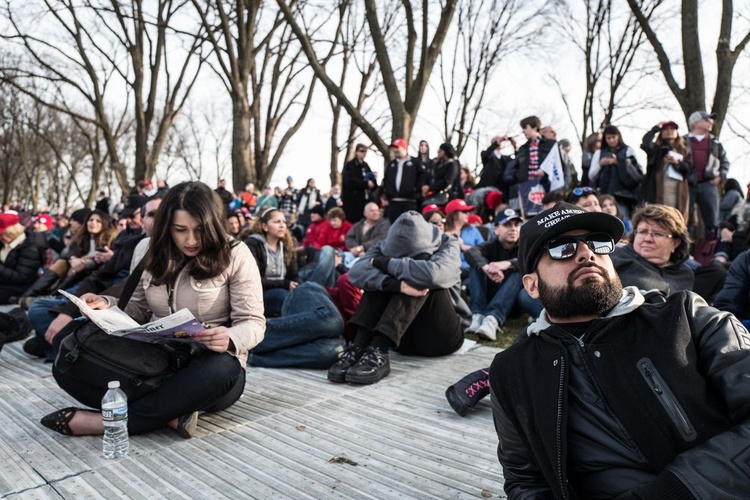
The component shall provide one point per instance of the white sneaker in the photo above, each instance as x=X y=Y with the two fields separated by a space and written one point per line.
x=476 y=322
x=489 y=328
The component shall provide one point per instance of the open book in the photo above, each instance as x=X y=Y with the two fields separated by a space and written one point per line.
x=180 y=325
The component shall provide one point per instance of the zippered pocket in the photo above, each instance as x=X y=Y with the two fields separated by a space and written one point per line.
x=667 y=399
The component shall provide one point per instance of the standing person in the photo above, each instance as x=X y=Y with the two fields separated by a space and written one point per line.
x=530 y=157
x=403 y=181
x=306 y=199
x=614 y=396
x=423 y=158
x=711 y=167
x=358 y=183
x=668 y=169
x=590 y=146
x=444 y=182
x=225 y=195
x=565 y=148
x=494 y=163
x=615 y=170
x=189 y=249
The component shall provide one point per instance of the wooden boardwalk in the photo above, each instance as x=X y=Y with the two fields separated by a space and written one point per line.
x=292 y=435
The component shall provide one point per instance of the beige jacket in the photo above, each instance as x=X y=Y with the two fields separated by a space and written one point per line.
x=236 y=294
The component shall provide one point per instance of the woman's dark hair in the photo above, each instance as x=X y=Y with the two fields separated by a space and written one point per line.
x=451 y=220
x=611 y=198
x=576 y=194
x=612 y=130
x=164 y=260
x=288 y=241
x=733 y=184
x=104 y=238
x=239 y=218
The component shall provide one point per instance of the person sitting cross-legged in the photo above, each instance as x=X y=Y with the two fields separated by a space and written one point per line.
x=411 y=300
x=494 y=280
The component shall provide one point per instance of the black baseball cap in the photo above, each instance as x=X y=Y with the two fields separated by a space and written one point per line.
x=561 y=218
x=506 y=216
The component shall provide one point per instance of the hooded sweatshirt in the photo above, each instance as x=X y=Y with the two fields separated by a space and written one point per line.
x=416 y=252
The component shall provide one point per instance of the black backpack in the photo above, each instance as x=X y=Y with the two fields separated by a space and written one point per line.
x=88 y=354
x=14 y=325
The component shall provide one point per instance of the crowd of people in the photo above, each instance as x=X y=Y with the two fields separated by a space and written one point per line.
x=294 y=278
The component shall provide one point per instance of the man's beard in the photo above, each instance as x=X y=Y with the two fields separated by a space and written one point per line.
x=591 y=298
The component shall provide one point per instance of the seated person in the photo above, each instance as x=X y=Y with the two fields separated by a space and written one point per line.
x=656 y=255
x=273 y=247
x=317 y=221
x=734 y=296
x=457 y=223
x=584 y=197
x=49 y=315
x=368 y=231
x=94 y=236
x=411 y=300
x=333 y=231
x=20 y=258
x=494 y=281
x=189 y=247
x=308 y=334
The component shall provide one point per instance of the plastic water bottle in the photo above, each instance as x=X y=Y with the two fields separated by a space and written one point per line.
x=115 y=420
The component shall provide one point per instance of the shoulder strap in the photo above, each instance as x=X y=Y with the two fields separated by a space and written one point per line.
x=129 y=287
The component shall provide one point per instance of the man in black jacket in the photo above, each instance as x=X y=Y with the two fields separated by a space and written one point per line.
x=610 y=395
x=402 y=181
x=358 y=184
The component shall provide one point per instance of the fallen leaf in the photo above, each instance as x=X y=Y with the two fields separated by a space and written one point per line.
x=342 y=460
x=300 y=427
x=486 y=493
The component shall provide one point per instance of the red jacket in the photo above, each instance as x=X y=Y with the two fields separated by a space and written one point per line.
x=313 y=233
x=327 y=235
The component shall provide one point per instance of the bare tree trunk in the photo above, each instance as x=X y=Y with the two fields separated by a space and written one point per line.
x=241 y=153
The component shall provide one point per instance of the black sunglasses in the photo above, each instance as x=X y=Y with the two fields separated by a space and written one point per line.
x=565 y=247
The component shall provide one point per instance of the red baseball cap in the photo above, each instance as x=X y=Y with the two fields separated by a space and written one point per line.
x=493 y=199
x=7 y=220
x=669 y=124
x=45 y=219
x=474 y=219
x=457 y=205
x=429 y=208
x=399 y=143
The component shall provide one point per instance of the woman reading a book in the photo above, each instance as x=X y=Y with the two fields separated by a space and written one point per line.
x=191 y=263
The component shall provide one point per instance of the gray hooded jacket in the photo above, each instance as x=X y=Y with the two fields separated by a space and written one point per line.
x=420 y=254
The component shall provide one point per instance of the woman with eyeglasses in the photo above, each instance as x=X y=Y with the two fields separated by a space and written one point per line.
x=668 y=168
x=658 y=250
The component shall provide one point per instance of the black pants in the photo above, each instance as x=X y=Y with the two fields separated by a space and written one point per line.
x=211 y=382
x=396 y=208
x=417 y=326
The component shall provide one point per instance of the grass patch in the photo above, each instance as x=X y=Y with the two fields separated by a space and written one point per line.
x=512 y=328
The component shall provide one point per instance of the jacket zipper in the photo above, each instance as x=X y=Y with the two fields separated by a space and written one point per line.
x=561 y=388
x=667 y=399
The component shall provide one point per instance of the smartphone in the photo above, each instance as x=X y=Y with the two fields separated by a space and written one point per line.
x=100 y=249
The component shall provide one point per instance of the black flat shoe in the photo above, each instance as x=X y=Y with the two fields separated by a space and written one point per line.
x=59 y=421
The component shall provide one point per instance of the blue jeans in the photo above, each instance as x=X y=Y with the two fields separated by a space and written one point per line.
x=307 y=335
x=490 y=298
x=273 y=299
x=40 y=316
x=707 y=197
x=324 y=271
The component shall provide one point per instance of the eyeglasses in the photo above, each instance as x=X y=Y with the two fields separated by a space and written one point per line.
x=583 y=190
x=654 y=234
x=565 y=247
